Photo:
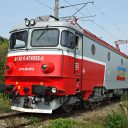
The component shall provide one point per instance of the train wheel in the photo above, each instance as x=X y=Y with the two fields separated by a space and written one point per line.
x=86 y=105
x=67 y=108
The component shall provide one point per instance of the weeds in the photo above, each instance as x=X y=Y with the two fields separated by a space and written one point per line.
x=61 y=123
x=124 y=104
x=4 y=105
x=34 y=120
x=68 y=123
x=116 y=120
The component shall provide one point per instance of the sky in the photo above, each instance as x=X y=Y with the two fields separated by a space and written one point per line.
x=109 y=21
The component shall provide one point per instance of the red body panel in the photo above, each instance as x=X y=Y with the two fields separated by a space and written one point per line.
x=20 y=67
x=93 y=76
x=66 y=76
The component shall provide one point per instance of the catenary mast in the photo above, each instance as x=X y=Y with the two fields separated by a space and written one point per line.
x=56 y=9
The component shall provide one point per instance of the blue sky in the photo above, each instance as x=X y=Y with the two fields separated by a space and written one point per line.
x=114 y=27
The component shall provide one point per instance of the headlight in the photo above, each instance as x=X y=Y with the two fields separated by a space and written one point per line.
x=32 y=22
x=54 y=90
x=44 y=67
x=47 y=67
x=7 y=67
x=27 y=22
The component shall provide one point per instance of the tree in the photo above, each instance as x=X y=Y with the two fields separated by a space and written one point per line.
x=3 y=51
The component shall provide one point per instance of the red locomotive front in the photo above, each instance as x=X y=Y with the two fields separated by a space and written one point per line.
x=46 y=69
x=38 y=70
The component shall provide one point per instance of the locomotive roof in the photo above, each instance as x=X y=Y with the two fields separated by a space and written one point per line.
x=57 y=23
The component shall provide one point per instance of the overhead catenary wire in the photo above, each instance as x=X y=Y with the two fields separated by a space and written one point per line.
x=78 y=10
x=100 y=27
x=71 y=5
x=110 y=20
x=41 y=3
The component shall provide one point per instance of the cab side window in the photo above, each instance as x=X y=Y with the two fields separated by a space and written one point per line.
x=67 y=39
x=77 y=42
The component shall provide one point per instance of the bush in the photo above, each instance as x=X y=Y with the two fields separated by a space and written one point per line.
x=116 y=120
x=1 y=72
x=3 y=52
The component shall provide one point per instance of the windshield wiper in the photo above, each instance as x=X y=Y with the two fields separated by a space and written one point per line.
x=46 y=29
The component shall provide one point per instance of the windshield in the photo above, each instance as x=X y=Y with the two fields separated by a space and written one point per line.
x=45 y=38
x=18 y=40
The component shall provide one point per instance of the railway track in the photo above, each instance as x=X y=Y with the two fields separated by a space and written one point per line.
x=55 y=115
x=13 y=115
x=9 y=115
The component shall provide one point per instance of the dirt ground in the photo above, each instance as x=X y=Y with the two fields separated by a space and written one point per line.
x=97 y=113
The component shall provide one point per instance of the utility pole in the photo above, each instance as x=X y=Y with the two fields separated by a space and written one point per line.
x=56 y=9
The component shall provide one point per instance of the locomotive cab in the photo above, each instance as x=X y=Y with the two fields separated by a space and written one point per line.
x=43 y=66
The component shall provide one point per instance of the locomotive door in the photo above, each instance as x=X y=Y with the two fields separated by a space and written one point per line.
x=78 y=56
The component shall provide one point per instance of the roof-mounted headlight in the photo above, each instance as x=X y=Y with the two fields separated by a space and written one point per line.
x=27 y=22
x=32 y=22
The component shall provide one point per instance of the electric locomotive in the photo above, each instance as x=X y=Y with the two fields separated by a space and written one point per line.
x=53 y=63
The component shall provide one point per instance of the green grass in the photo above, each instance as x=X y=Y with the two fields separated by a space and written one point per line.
x=34 y=120
x=116 y=120
x=70 y=123
x=61 y=123
x=93 y=125
x=4 y=104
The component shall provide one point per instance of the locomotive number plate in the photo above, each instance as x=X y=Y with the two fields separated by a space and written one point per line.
x=28 y=58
